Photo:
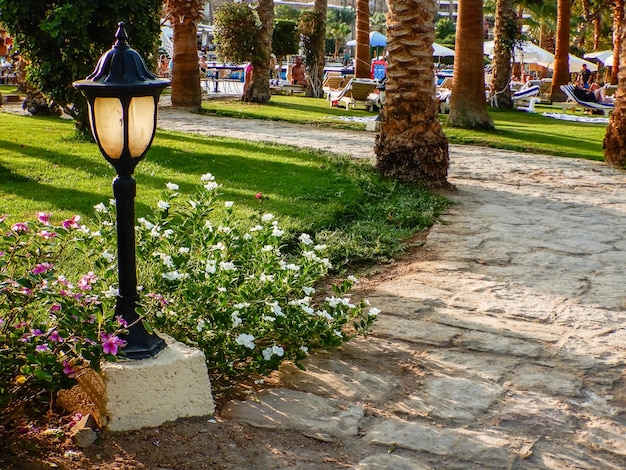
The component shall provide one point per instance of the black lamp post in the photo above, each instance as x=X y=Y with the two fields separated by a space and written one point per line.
x=123 y=96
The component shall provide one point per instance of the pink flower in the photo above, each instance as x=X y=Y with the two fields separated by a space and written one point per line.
x=111 y=343
x=41 y=268
x=87 y=280
x=55 y=308
x=46 y=235
x=3 y=217
x=26 y=291
x=123 y=323
x=71 y=223
x=44 y=217
x=55 y=336
x=68 y=370
x=19 y=227
x=259 y=195
x=42 y=347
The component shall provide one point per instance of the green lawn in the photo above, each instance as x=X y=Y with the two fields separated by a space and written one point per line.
x=515 y=130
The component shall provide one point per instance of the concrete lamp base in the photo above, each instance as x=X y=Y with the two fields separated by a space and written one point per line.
x=131 y=395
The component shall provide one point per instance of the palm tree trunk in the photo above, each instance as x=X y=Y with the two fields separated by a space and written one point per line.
x=363 y=65
x=468 y=104
x=561 y=53
x=411 y=146
x=615 y=138
x=316 y=69
x=503 y=49
x=618 y=21
x=259 y=89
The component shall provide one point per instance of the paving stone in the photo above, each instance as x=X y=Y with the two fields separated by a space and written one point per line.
x=498 y=344
x=548 y=380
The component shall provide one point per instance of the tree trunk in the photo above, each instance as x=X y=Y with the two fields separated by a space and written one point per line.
x=363 y=60
x=503 y=51
x=259 y=89
x=468 y=104
x=618 y=21
x=411 y=146
x=561 y=53
x=615 y=138
x=316 y=68
x=183 y=15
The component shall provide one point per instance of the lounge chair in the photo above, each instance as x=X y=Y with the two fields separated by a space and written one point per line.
x=572 y=98
x=526 y=98
x=332 y=82
x=358 y=91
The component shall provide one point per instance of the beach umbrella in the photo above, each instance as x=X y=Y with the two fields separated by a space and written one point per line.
x=606 y=57
x=442 y=51
x=376 y=40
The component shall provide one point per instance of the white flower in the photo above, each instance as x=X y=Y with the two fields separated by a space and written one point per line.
x=172 y=186
x=207 y=177
x=168 y=233
x=145 y=223
x=242 y=305
x=208 y=225
x=163 y=205
x=112 y=202
x=267 y=217
x=373 y=312
x=101 y=208
x=200 y=325
x=306 y=239
x=308 y=310
x=224 y=229
x=304 y=349
x=277 y=232
x=310 y=255
x=110 y=292
x=268 y=318
x=267 y=248
x=193 y=204
x=211 y=186
x=235 y=318
x=228 y=266
x=167 y=260
x=267 y=354
x=276 y=310
x=326 y=263
x=308 y=290
x=292 y=267
x=107 y=255
x=247 y=236
x=246 y=340
x=218 y=246
x=183 y=250
x=324 y=314
x=221 y=289
x=266 y=277
x=353 y=279
x=346 y=301
x=154 y=233
x=278 y=350
x=210 y=267
x=95 y=234
x=228 y=204
x=319 y=247
x=256 y=228
x=338 y=333
x=173 y=276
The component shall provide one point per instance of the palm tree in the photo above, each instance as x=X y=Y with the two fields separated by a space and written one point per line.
x=316 y=68
x=504 y=40
x=561 y=53
x=468 y=106
x=378 y=22
x=362 y=68
x=259 y=89
x=183 y=16
x=411 y=146
x=615 y=138
x=618 y=21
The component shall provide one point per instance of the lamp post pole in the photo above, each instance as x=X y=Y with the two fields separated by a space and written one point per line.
x=122 y=95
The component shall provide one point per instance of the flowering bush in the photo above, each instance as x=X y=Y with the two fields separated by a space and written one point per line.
x=233 y=290
x=50 y=327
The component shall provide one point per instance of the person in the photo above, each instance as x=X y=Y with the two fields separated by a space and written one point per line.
x=585 y=76
x=204 y=66
x=273 y=66
x=163 y=69
x=595 y=93
x=346 y=57
x=298 y=73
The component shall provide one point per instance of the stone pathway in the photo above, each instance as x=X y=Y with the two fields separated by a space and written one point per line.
x=502 y=345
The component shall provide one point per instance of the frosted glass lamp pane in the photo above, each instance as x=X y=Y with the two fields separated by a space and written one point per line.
x=140 y=124
x=108 y=117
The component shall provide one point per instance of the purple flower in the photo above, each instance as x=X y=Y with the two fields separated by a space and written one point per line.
x=19 y=227
x=36 y=332
x=55 y=308
x=67 y=370
x=55 y=336
x=121 y=321
x=41 y=268
x=42 y=347
x=44 y=217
